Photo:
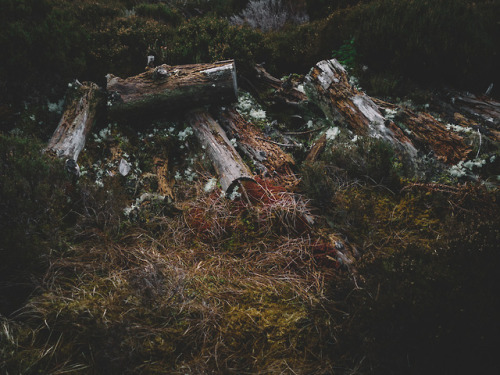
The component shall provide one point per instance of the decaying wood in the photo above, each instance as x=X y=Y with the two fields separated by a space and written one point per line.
x=317 y=148
x=68 y=139
x=482 y=107
x=171 y=88
x=227 y=162
x=284 y=92
x=428 y=134
x=269 y=159
x=328 y=86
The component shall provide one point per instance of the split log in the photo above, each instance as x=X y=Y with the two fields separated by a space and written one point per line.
x=69 y=138
x=225 y=159
x=269 y=159
x=170 y=88
x=327 y=85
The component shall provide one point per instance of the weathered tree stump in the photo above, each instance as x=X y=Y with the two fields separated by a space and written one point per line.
x=167 y=89
x=227 y=162
x=69 y=138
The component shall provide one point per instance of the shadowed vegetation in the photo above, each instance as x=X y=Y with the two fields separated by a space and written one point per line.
x=159 y=272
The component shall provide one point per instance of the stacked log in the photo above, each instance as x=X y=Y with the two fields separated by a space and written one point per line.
x=167 y=89
x=227 y=162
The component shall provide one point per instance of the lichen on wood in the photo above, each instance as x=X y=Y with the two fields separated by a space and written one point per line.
x=69 y=137
x=227 y=162
x=167 y=89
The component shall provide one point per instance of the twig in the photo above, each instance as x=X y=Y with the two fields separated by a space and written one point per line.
x=277 y=143
x=480 y=141
x=304 y=132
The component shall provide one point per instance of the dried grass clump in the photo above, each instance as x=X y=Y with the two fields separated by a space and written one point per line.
x=178 y=297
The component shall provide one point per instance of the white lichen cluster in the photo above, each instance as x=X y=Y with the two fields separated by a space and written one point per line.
x=184 y=134
x=188 y=175
x=233 y=195
x=210 y=185
x=458 y=128
x=390 y=114
x=332 y=133
x=56 y=107
x=136 y=206
x=249 y=108
x=104 y=134
x=464 y=168
x=159 y=130
x=354 y=82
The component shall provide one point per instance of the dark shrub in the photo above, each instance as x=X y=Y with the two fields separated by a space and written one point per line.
x=453 y=41
x=42 y=45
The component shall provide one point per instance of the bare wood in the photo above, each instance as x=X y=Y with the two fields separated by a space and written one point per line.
x=269 y=159
x=170 y=88
x=225 y=159
x=68 y=139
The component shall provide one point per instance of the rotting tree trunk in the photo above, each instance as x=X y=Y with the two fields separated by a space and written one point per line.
x=269 y=159
x=167 y=89
x=284 y=92
x=227 y=162
x=328 y=86
x=482 y=107
x=69 y=138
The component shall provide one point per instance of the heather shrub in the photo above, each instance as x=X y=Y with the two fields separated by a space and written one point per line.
x=268 y=15
x=450 y=41
x=45 y=44
x=33 y=209
x=210 y=38
x=159 y=12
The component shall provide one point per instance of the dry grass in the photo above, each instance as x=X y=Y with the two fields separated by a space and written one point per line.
x=224 y=286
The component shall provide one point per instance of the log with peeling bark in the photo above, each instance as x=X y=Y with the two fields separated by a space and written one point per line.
x=167 y=89
x=269 y=159
x=227 y=162
x=69 y=138
x=327 y=85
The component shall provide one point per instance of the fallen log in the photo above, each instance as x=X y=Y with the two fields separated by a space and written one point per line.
x=482 y=107
x=69 y=137
x=170 y=88
x=227 y=162
x=327 y=85
x=268 y=158
x=283 y=92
